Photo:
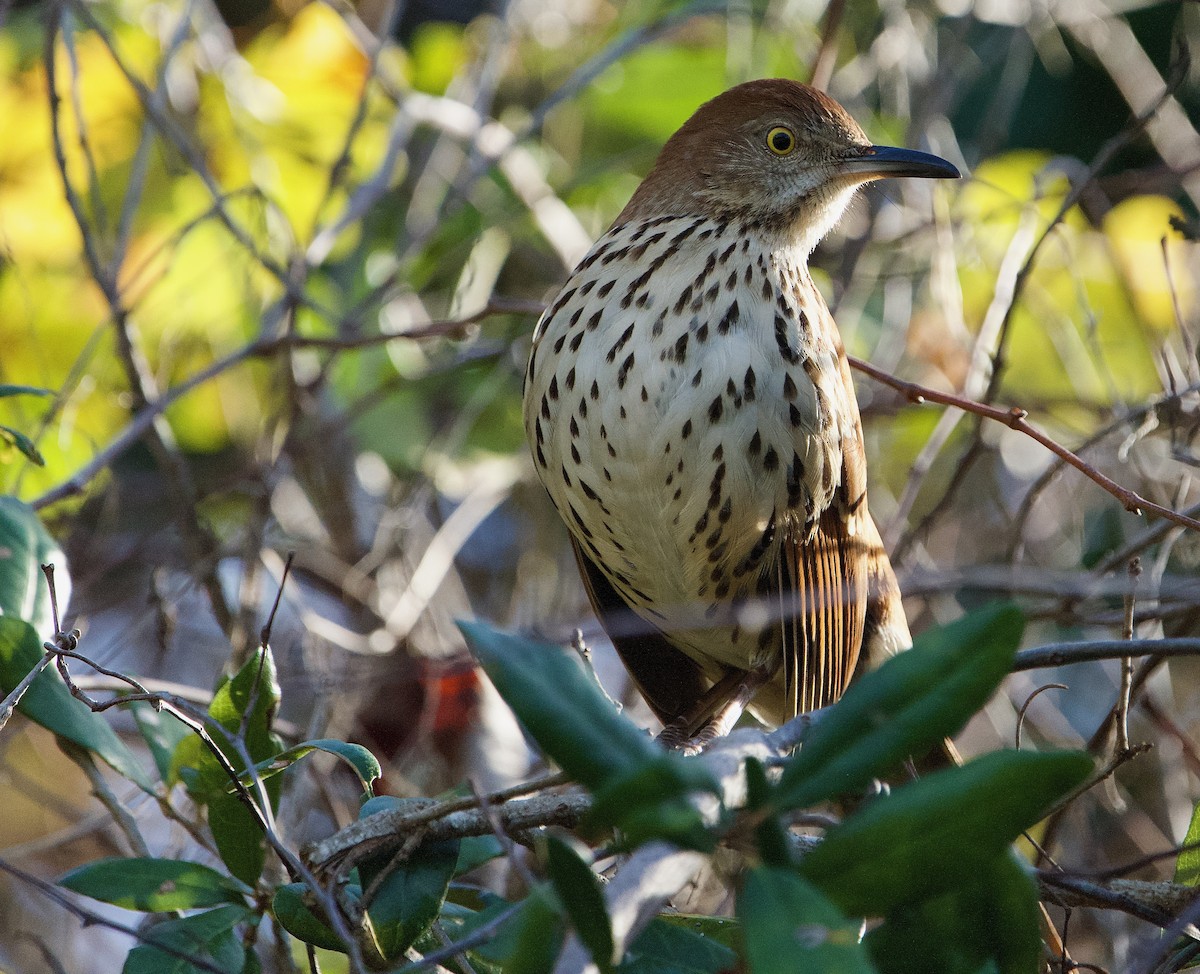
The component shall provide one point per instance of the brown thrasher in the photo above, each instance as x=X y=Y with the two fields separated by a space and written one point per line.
x=690 y=410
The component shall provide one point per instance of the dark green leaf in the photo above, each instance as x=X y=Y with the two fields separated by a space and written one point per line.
x=1187 y=866
x=529 y=941
x=561 y=706
x=475 y=850
x=790 y=926
x=154 y=885
x=296 y=918
x=23 y=443
x=162 y=734
x=209 y=936
x=10 y=390
x=409 y=897
x=770 y=834
x=651 y=801
x=934 y=834
x=579 y=891
x=242 y=705
x=358 y=757
x=239 y=836
x=668 y=947
x=25 y=545
x=722 y=930
x=992 y=919
x=904 y=708
x=48 y=702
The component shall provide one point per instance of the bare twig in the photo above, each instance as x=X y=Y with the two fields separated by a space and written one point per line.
x=1014 y=418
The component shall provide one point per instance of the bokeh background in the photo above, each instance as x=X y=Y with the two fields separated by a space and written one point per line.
x=276 y=266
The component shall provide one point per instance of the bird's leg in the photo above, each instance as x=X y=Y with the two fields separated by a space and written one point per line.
x=715 y=713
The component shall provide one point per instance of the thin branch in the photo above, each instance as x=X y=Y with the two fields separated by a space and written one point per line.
x=1014 y=418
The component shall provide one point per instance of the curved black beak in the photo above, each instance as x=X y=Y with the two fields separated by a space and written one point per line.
x=882 y=161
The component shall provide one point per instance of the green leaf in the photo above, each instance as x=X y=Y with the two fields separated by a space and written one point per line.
x=561 y=706
x=992 y=919
x=49 y=703
x=669 y=947
x=475 y=850
x=154 y=885
x=579 y=891
x=162 y=734
x=10 y=390
x=529 y=941
x=23 y=443
x=25 y=545
x=358 y=757
x=211 y=936
x=726 y=931
x=246 y=705
x=411 y=895
x=940 y=831
x=790 y=926
x=904 y=708
x=293 y=914
x=1187 y=866
x=238 y=834
x=650 y=802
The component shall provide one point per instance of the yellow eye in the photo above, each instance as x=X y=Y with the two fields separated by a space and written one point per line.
x=781 y=141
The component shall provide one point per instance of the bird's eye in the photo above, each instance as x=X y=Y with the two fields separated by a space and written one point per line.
x=781 y=141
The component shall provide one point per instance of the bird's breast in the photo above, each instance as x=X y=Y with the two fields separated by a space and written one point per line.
x=682 y=401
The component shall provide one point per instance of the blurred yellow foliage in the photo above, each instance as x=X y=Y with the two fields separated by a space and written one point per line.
x=1095 y=304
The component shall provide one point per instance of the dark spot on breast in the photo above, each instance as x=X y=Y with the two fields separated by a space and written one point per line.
x=558 y=344
x=749 y=382
x=553 y=390
x=685 y=432
x=620 y=343
x=715 y=408
x=623 y=371
x=684 y=297
x=575 y=454
x=729 y=319
x=770 y=459
x=789 y=387
x=574 y=427
x=755 y=443
x=602 y=291
x=545 y=408
x=702 y=333
x=582 y=408
x=575 y=340
x=681 y=344
x=657 y=328
x=541 y=457
x=594 y=392
x=794 y=416
x=569 y=382
x=781 y=340
x=697 y=377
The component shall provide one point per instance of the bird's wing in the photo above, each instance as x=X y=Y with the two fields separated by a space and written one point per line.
x=822 y=576
x=670 y=682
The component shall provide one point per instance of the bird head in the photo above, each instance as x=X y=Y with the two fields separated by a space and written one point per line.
x=775 y=153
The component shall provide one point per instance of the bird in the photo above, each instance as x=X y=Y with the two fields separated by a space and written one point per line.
x=690 y=411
